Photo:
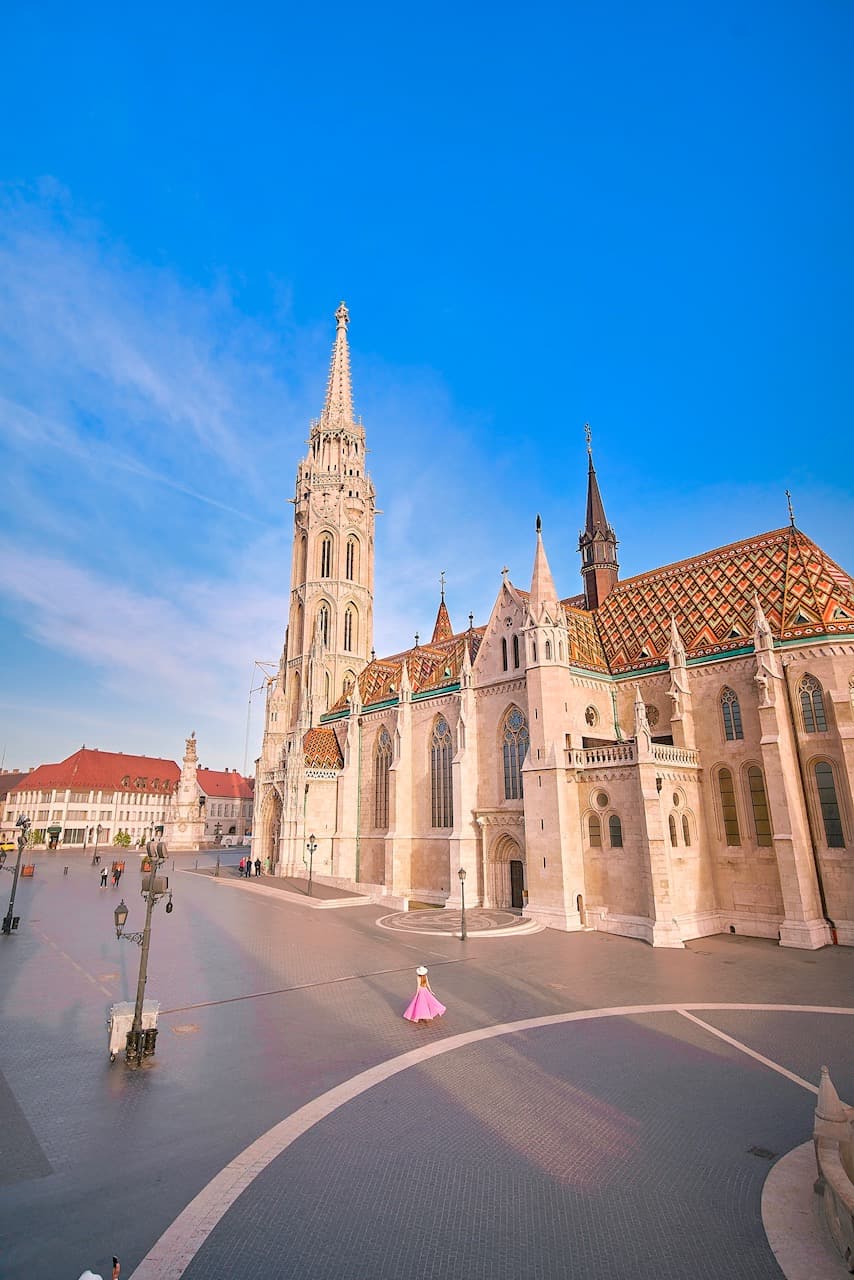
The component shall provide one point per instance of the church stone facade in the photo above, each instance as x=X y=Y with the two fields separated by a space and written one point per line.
x=663 y=757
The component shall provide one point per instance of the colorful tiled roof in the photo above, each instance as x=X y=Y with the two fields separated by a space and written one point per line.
x=321 y=748
x=801 y=590
x=429 y=666
x=225 y=784
x=442 y=629
x=89 y=769
x=585 y=647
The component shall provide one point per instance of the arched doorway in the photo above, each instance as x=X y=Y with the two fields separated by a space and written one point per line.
x=507 y=874
x=271 y=829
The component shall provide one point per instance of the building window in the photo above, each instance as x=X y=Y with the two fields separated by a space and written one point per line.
x=812 y=705
x=728 y=809
x=327 y=690
x=349 y=629
x=382 y=764
x=440 y=775
x=323 y=623
x=615 y=832
x=686 y=830
x=732 y=715
x=326 y=556
x=759 y=805
x=352 y=559
x=548 y=651
x=671 y=822
x=515 y=651
x=830 y=814
x=516 y=742
x=595 y=828
x=504 y=653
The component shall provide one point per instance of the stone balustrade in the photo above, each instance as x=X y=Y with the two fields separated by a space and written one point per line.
x=682 y=756
x=833 y=1137
x=612 y=756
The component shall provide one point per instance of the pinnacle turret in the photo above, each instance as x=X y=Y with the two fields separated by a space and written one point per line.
x=543 y=590
x=338 y=408
x=597 y=542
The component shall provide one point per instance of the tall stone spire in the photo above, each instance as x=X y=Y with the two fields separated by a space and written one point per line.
x=597 y=542
x=338 y=409
x=543 y=590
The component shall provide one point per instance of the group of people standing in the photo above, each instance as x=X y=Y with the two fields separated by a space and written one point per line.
x=115 y=874
x=246 y=865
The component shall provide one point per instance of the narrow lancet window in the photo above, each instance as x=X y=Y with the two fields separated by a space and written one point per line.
x=732 y=715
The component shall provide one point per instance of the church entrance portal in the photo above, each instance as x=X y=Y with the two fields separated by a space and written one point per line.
x=271 y=827
x=517 y=880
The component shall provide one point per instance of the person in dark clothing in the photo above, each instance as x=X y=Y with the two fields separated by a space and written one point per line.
x=257 y=866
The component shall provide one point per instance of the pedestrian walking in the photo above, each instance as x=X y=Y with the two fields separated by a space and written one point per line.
x=117 y=875
x=243 y=866
x=103 y=877
x=257 y=866
x=423 y=1006
x=117 y=1268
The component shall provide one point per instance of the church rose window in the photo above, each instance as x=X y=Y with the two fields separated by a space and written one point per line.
x=829 y=804
x=595 y=829
x=812 y=705
x=441 y=790
x=651 y=716
x=515 y=741
x=382 y=764
x=731 y=712
x=591 y=717
x=615 y=832
x=759 y=804
x=728 y=809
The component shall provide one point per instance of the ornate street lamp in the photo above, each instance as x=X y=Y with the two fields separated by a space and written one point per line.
x=462 y=874
x=153 y=889
x=10 y=920
x=312 y=850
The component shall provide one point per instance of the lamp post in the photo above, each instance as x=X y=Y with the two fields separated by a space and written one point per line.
x=312 y=850
x=153 y=890
x=10 y=921
x=462 y=874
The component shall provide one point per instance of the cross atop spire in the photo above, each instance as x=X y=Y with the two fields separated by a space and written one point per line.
x=338 y=409
x=588 y=436
x=791 y=509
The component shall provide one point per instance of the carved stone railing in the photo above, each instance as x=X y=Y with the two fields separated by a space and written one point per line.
x=833 y=1137
x=269 y=776
x=683 y=756
x=619 y=753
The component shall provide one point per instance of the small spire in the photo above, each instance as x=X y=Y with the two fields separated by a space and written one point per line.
x=471 y=621
x=442 y=583
x=442 y=628
x=791 y=509
x=417 y=639
x=543 y=590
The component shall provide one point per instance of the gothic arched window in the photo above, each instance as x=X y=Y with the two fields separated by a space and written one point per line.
x=686 y=830
x=352 y=559
x=441 y=790
x=615 y=832
x=323 y=623
x=728 y=809
x=503 y=653
x=326 y=556
x=732 y=715
x=759 y=805
x=349 y=629
x=594 y=826
x=671 y=822
x=327 y=690
x=548 y=651
x=382 y=764
x=812 y=705
x=515 y=742
x=515 y=651
x=829 y=804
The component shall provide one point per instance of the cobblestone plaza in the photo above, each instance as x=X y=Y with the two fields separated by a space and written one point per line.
x=577 y=1112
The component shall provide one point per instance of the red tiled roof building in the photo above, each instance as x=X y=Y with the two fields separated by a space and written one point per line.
x=664 y=757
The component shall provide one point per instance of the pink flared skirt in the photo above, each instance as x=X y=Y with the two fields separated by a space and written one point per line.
x=424 y=1006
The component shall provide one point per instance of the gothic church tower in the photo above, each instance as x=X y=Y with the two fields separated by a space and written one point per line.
x=330 y=625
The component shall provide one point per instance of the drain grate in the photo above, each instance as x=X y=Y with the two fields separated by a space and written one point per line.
x=762 y=1152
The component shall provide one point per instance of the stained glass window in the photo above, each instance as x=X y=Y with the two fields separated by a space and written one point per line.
x=830 y=814
x=732 y=715
x=812 y=705
x=382 y=764
x=595 y=828
x=441 y=789
x=516 y=742
x=759 y=804
x=728 y=809
x=615 y=832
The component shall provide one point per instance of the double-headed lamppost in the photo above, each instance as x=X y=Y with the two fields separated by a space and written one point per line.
x=462 y=874
x=153 y=890
x=10 y=920
x=312 y=850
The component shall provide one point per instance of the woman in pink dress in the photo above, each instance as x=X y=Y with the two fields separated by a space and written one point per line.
x=423 y=1006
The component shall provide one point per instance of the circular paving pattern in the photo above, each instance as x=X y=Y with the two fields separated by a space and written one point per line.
x=444 y=921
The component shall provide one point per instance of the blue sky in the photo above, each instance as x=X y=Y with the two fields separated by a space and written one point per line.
x=634 y=215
